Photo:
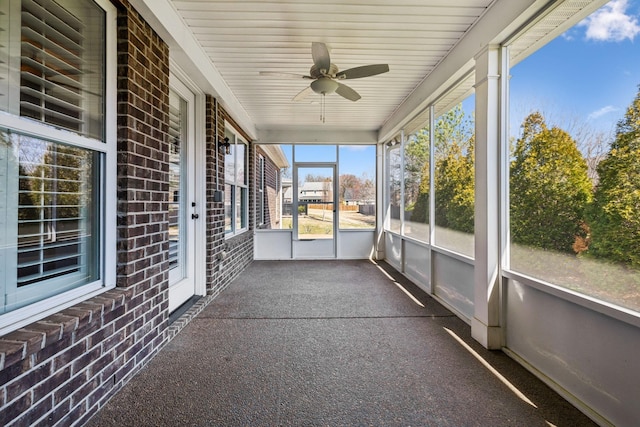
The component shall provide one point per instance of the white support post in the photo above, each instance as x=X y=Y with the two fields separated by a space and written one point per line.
x=381 y=200
x=485 y=325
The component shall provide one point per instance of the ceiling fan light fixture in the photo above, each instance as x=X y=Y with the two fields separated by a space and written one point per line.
x=325 y=75
x=324 y=85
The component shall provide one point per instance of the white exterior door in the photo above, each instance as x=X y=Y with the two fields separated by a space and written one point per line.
x=314 y=210
x=182 y=195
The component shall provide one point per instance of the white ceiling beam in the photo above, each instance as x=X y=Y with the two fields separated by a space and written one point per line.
x=186 y=51
x=316 y=135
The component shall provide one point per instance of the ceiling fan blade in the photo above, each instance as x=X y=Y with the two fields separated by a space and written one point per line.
x=285 y=75
x=364 y=71
x=346 y=92
x=303 y=94
x=320 y=55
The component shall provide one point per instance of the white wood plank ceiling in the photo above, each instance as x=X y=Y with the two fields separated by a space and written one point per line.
x=244 y=37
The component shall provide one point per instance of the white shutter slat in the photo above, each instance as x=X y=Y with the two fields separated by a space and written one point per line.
x=43 y=77
x=4 y=57
x=46 y=113
x=40 y=221
x=53 y=101
x=57 y=245
x=56 y=18
x=50 y=274
x=51 y=87
x=175 y=134
x=41 y=44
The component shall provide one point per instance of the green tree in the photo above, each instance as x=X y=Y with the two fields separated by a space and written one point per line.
x=455 y=187
x=421 y=207
x=549 y=187
x=453 y=128
x=416 y=155
x=454 y=164
x=614 y=218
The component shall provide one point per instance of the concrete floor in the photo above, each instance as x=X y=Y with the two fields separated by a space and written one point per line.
x=330 y=343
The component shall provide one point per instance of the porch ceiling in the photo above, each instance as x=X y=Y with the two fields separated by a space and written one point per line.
x=238 y=39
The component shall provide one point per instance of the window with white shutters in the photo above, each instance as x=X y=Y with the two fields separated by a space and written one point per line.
x=53 y=151
x=261 y=193
x=177 y=183
x=236 y=185
x=55 y=50
x=53 y=240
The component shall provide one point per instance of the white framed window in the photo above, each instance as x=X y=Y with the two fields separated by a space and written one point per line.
x=394 y=187
x=57 y=155
x=572 y=166
x=260 y=190
x=236 y=186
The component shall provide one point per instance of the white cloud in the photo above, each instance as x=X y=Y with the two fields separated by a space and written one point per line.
x=356 y=147
x=611 y=23
x=601 y=112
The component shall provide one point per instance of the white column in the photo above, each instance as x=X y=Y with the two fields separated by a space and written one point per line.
x=485 y=325
x=381 y=200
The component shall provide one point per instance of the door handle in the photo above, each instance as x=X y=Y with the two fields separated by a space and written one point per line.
x=195 y=216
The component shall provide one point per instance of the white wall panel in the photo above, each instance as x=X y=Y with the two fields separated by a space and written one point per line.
x=590 y=355
x=417 y=264
x=393 y=250
x=272 y=244
x=314 y=249
x=355 y=244
x=453 y=283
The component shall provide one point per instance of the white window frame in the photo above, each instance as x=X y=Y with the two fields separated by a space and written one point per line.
x=236 y=187
x=387 y=185
x=260 y=189
x=108 y=194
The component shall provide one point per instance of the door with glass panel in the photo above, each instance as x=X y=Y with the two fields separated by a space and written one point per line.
x=314 y=210
x=182 y=203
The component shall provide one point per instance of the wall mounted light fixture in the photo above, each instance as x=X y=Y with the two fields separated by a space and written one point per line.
x=224 y=145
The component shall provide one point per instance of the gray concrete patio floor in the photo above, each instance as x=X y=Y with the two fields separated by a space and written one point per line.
x=330 y=343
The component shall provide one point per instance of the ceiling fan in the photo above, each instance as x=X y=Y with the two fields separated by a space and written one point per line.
x=325 y=75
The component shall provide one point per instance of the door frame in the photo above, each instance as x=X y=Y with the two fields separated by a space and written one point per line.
x=196 y=244
x=300 y=244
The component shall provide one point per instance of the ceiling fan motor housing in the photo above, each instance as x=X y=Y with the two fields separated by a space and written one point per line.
x=316 y=73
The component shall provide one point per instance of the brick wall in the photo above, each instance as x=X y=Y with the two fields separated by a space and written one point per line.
x=238 y=250
x=215 y=181
x=59 y=370
x=143 y=181
x=62 y=369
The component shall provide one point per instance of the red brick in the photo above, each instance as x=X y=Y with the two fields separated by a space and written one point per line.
x=12 y=411
x=28 y=380
x=33 y=341
x=11 y=352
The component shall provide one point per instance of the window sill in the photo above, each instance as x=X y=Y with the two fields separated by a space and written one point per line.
x=230 y=236
x=75 y=323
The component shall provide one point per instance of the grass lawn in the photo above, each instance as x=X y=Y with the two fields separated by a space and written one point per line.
x=601 y=279
x=318 y=222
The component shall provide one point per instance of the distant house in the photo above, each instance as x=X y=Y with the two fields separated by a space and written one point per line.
x=309 y=192
x=287 y=191
x=315 y=192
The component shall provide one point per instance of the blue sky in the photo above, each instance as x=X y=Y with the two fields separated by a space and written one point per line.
x=354 y=159
x=590 y=74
